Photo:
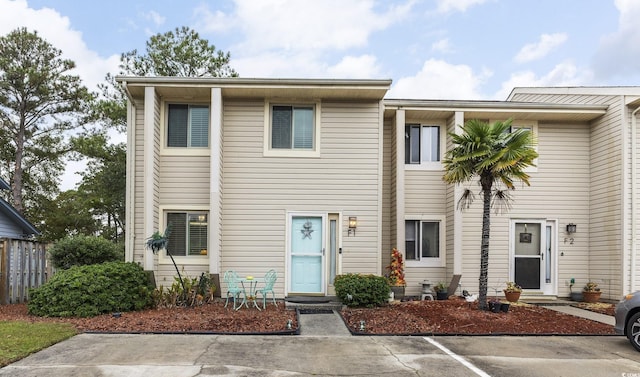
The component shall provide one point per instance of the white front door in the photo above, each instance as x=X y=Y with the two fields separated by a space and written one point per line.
x=533 y=265
x=307 y=253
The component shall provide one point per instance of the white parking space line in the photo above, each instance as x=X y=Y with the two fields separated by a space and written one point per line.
x=458 y=358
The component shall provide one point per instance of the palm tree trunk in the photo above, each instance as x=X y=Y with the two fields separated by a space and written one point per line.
x=184 y=290
x=484 y=246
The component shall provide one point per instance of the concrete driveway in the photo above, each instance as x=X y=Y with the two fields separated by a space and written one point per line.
x=227 y=355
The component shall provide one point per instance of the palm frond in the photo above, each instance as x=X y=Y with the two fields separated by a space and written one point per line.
x=466 y=199
x=501 y=201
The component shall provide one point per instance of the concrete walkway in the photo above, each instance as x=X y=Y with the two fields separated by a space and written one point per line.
x=325 y=324
x=567 y=309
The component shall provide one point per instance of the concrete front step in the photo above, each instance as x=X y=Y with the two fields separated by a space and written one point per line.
x=312 y=303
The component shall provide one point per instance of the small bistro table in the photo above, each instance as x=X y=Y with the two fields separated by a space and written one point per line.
x=249 y=290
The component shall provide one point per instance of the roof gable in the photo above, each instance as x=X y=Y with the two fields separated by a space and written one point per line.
x=4 y=185
x=12 y=215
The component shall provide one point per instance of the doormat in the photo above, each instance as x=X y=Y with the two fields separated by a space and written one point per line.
x=308 y=300
x=315 y=311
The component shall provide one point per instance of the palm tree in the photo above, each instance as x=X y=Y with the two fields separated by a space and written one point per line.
x=497 y=157
x=158 y=242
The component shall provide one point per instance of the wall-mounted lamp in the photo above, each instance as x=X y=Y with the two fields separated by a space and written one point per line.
x=353 y=224
x=571 y=228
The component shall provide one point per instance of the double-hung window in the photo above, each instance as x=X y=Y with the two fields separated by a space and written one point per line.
x=423 y=242
x=189 y=233
x=292 y=127
x=188 y=126
x=421 y=144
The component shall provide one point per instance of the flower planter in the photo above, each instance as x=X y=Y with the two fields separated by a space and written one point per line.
x=512 y=296
x=591 y=296
x=442 y=295
x=494 y=306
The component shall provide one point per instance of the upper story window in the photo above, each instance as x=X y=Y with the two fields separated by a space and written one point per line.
x=421 y=144
x=189 y=233
x=292 y=127
x=188 y=126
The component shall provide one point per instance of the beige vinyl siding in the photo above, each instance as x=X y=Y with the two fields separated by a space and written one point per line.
x=425 y=194
x=604 y=261
x=140 y=140
x=450 y=205
x=260 y=191
x=556 y=193
x=184 y=181
x=138 y=181
x=388 y=203
x=627 y=262
x=607 y=222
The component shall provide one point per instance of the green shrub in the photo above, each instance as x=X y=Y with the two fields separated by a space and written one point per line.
x=85 y=291
x=362 y=290
x=83 y=250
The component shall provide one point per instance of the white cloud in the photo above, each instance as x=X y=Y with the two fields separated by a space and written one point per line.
x=155 y=17
x=540 y=49
x=619 y=52
x=213 y=22
x=297 y=25
x=563 y=74
x=445 y=6
x=356 y=67
x=442 y=45
x=440 y=80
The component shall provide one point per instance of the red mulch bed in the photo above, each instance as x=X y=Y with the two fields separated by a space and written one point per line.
x=406 y=318
x=208 y=318
x=459 y=317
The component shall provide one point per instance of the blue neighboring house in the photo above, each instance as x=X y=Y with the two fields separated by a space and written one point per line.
x=12 y=223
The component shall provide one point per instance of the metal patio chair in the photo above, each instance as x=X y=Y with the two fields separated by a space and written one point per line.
x=234 y=289
x=269 y=280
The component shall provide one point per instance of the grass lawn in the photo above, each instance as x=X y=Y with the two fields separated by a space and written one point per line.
x=19 y=339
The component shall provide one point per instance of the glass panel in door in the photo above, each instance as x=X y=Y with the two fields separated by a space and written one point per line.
x=528 y=251
x=307 y=254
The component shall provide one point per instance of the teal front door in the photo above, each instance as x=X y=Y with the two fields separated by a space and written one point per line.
x=307 y=254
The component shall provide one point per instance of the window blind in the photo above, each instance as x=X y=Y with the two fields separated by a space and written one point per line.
x=178 y=236
x=178 y=125
x=281 y=127
x=199 y=122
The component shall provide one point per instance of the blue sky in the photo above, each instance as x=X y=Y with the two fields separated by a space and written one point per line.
x=435 y=49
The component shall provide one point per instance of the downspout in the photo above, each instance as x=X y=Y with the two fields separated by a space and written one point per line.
x=633 y=199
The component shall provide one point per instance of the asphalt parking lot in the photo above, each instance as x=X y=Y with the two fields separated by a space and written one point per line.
x=228 y=355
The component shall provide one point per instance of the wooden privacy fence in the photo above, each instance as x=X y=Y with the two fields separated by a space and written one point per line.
x=23 y=265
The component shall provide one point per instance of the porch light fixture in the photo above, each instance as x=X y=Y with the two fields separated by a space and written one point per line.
x=571 y=228
x=353 y=224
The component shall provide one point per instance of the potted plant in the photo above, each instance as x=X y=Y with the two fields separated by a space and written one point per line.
x=575 y=296
x=591 y=292
x=396 y=274
x=512 y=291
x=441 y=291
